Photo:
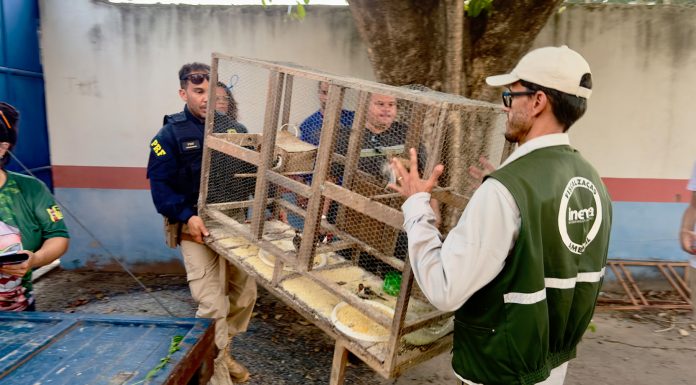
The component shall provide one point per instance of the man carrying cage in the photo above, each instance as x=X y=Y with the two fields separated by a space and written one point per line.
x=174 y=170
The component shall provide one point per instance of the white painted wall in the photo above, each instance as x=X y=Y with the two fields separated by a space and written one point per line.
x=641 y=120
x=111 y=70
x=110 y=74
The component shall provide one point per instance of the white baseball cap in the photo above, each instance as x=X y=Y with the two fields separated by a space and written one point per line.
x=558 y=68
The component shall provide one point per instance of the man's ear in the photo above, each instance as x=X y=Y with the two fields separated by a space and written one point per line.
x=183 y=95
x=540 y=102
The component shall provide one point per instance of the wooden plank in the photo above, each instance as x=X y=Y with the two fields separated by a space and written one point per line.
x=355 y=140
x=198 y=360
x=415 y=357
x=289 y=183
x=350 y=163
x=230 y=205
x=415 y=126
x=435 y=153
x=391 y=261
x=332 y=116
x=232 y=149
x=240 y=229
x=364 y=205
x=399 y=315
x=284 y=122
x=209 y=122
x=338 y=367
x=675 y=285
x=430 y=98
x=633 y=283
x=619 y=277
x=682 y=282
x=373 y=361
x=287 y=99
x=425 y=321
x=275 y=89
x=55 y=347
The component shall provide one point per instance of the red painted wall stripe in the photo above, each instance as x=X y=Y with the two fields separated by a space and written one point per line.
x=126 y=178
x=133 y=178
x=647 y=190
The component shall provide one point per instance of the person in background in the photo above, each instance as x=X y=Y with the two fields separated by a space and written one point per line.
x=223 y=186
x=687 y=236
x=310 y=128
x=227 y=111
x=174 y=170
x=31 y=223
x=523 y=267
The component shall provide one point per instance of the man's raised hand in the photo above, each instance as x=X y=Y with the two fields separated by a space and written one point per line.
x=409 y=182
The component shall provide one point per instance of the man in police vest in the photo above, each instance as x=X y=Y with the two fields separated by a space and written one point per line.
x=523 y=267
x=174 y=170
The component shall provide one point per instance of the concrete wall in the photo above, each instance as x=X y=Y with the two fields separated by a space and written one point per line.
x=110 y=75
x=640 y=123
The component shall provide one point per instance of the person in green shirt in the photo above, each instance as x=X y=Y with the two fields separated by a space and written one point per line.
x=30 y=223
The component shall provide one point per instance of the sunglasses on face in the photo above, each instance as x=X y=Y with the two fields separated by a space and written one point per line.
x=196 y=78
x=508 y=95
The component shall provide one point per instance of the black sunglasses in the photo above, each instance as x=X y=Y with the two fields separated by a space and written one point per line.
x=508 y=95
x=196 y=78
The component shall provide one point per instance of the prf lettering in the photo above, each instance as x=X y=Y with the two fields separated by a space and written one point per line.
x=157 y=148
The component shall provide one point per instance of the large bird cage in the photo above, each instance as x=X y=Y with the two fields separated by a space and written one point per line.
x=295 y=170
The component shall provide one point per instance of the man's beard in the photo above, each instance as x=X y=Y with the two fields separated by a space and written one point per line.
x=518 y=127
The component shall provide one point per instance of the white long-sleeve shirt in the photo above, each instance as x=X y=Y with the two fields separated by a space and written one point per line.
x=474 y=252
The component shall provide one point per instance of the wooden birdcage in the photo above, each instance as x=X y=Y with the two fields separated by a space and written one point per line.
x=318 y=228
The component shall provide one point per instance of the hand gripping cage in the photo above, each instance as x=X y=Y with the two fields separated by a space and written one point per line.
x=303 y=206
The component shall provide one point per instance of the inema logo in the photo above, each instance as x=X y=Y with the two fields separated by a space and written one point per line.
x=582 y=215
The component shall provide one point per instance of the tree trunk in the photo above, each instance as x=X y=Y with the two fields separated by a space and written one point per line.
x=431 y=42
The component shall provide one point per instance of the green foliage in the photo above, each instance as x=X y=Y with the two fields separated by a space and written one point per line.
x=298 y=13
x=174 y=347
x=473 y=8
x=592 y=327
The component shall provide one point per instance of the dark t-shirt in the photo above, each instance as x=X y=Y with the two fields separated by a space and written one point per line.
x=376 y=150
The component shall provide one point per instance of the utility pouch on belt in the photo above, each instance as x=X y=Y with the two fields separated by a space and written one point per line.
x=172 y=233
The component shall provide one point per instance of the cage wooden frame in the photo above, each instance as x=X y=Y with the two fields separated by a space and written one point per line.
x=385 y=358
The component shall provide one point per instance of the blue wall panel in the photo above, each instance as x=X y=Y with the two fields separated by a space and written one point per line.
x=21 y=83
x=125 y=221
x=647 y=231
x=21 y=23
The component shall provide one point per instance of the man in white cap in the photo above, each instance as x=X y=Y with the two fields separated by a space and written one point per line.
x=523 y=267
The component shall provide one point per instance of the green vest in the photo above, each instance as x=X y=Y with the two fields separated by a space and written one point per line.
x=530 y=318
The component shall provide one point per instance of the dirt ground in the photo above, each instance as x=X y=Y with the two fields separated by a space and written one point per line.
x=282 y=348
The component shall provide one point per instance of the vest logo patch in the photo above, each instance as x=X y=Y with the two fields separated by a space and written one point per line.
x=578 y=215
x=54 y=213
x=157 y=148
x=190 y=145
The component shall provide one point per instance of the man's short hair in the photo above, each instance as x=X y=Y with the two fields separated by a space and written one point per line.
x=186 y=69
x=566 y=108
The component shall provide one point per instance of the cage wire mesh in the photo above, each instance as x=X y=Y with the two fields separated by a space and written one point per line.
x=295 y=179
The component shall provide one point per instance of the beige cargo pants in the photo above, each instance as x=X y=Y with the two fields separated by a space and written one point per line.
x=231 y=310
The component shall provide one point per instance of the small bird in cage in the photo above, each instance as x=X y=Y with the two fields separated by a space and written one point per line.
x=324 y=238
x=297 y=240
x=365 y=292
